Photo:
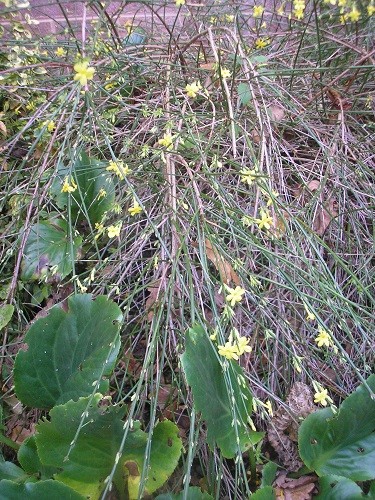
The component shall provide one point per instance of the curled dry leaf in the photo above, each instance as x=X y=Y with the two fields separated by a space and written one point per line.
x=324 y=216
x=294 y=489
x=276 y=113
x=152 y=299
x=3 y=128
x=226 y=271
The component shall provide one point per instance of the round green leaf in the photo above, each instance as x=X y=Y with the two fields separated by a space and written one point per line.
x=49 y=250
x=222 y=397
x=42 y=490
x=244 y=93
x=94 y=453
x=342 y=444
x=68 y=351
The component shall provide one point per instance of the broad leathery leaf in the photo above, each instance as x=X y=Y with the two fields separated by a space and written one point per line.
x=221 y=395
x=6 y=313
x=49 y=250
x=41 y=490
x=338 y=488
x=165 y=453
x=94 y=453
x=11 y=471
x=68 y=352
x=342 y=444
x=28 y=458
x=92 y=180
x=193 y=493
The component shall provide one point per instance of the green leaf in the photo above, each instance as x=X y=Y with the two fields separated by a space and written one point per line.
x=244 y=93
x=269 y=474
x=266 y=493
x=9 y=470
x=165 y=452
x=194 y=493
x=42 y=490
x=49 y=246
x=91 y=178
x=94 y=453
x=338 y=488
x=29 y=459
x=68 y=351
x=342 y=444
x=6 y=313
x=206 y=376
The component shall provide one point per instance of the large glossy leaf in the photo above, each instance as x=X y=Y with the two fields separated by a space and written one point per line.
x=42 y=490
x=92 y=180
x=165 y=452
x=92 y=457
x=68 y=351
x=49 y=249
x=222 y=396
x=338 y=488
x=342 y=444
x=9 y=470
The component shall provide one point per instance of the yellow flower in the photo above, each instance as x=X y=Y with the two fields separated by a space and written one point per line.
x=234 y=294
x=68 y=187
x=51 y=126
x=322 y=397
x=84 y=72
x=228 y=350
x=60 y=52
x=371 y=9
x=354 y=15
x=268 y=407
x=248 y=176
x=242 y=345
x=261 y=43
x=280 y=11
x=119 y=169
x=224 y=73
x=192 y=89
x=180 y=2
x=102 y=194
x=309 y=315
x=114 y=231
x=166 y=141
x=265 y=219
x=258 y=10
x=135 y=209
x=323 y=338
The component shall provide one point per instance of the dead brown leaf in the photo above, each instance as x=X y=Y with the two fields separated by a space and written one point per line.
x=294 y=489
x=226 y=271
x=3 y=128
x=324 y=216
x=276 y=113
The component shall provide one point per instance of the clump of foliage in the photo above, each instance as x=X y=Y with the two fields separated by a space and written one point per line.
x=186 y=219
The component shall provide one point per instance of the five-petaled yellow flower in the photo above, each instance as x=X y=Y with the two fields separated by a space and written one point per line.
x=234 y=295
x=68 y=187
x=224 y=73
x=84 y=72
x=114 y=231
x=322 y=397
x=258 y=10
x=166 y=141
x=135 y=209
x=323 y=338
x=265 y=220
x=261 y=43
x=228 y=350
x=192 y=89
x=60 y=52
x=242 y=345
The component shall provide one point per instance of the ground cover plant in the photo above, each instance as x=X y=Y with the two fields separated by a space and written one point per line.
x=187 y=252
